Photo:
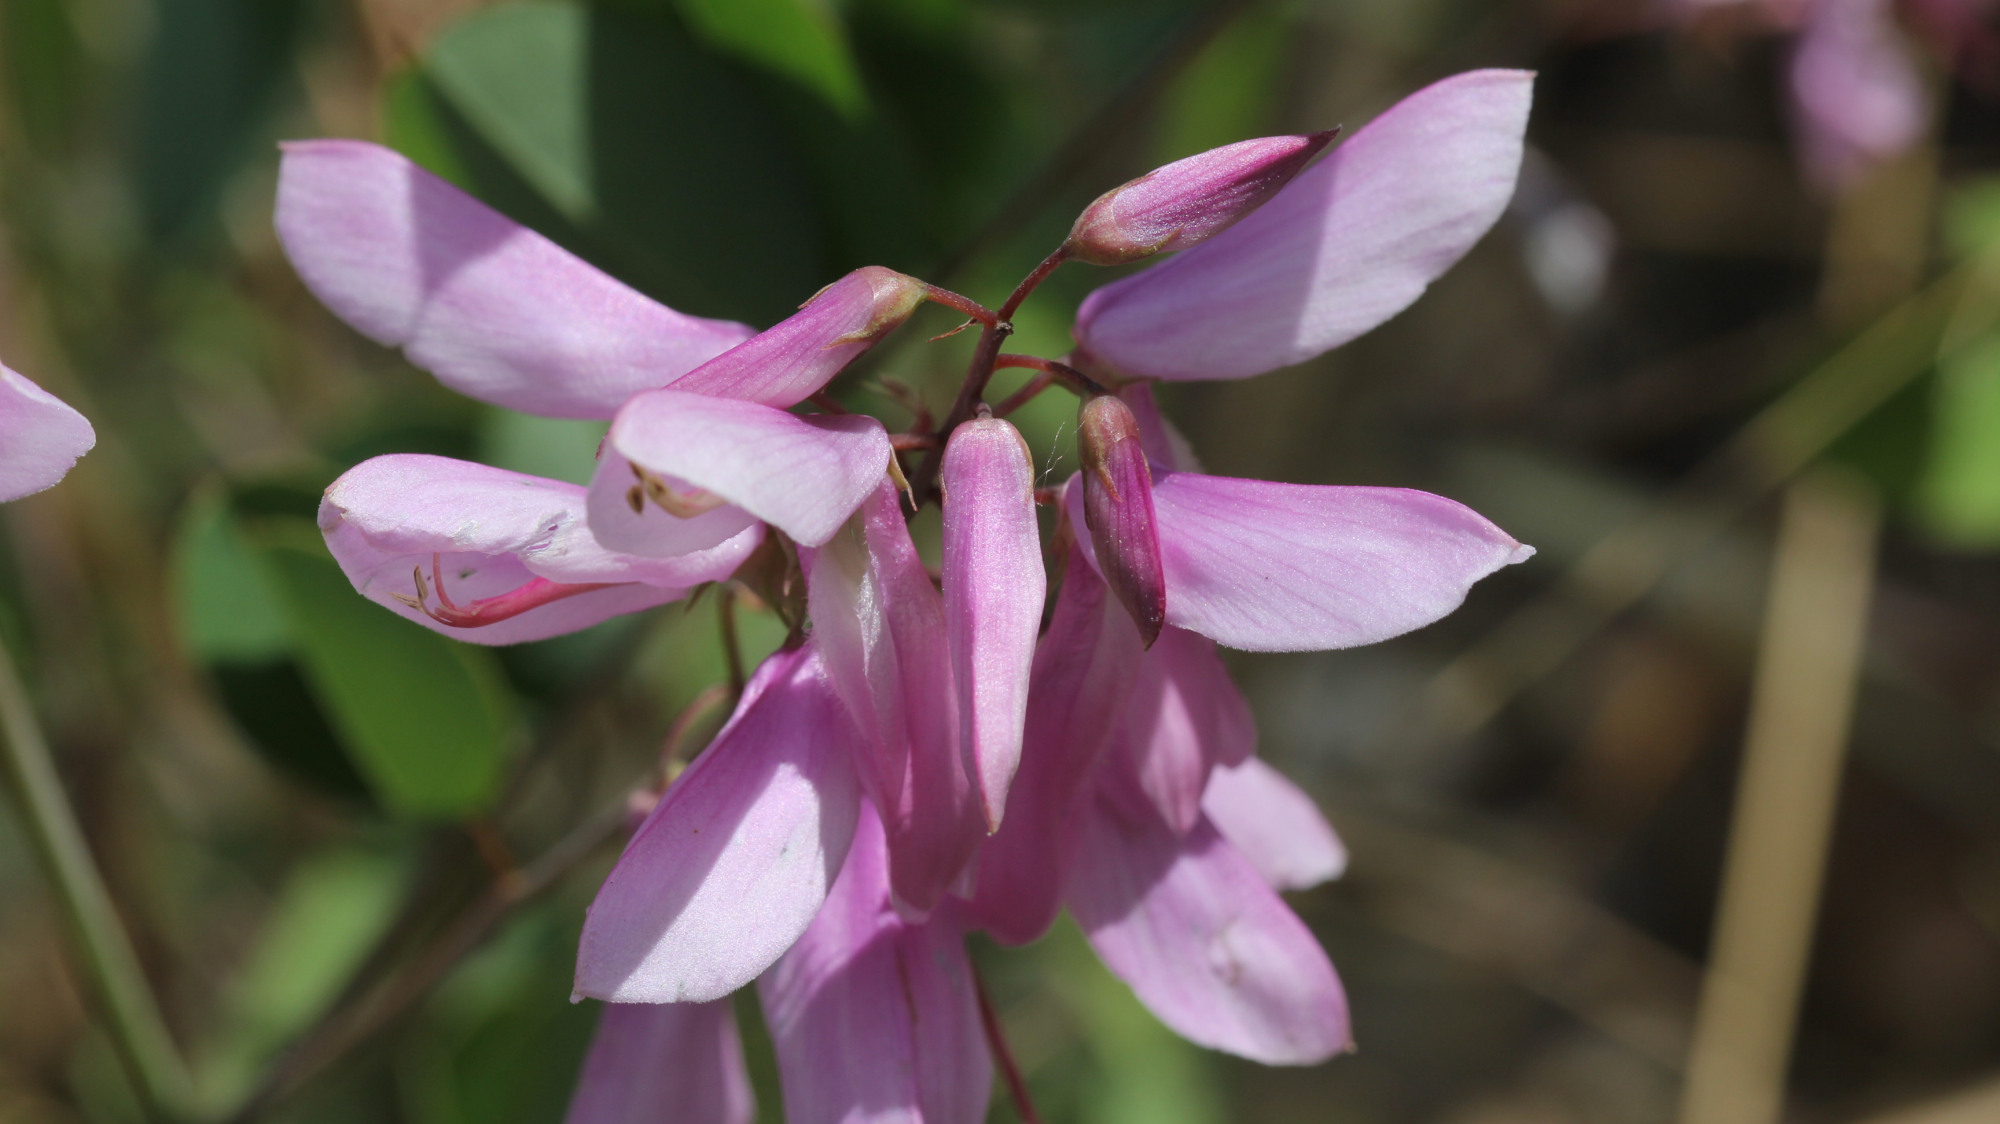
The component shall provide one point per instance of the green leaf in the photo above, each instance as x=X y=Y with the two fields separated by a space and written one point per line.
x=799 y=39
x=227 y=607
x=558 y=448
x=614 y=134
x=428 y=720
x=1231 y=91
x=1958 y=495
x=332 y=908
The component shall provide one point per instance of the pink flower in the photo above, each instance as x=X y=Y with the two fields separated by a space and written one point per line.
x=498 y=312
x=41 y=437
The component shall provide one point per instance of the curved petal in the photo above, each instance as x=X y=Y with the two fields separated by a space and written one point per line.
x=1206 y=945
x=493 y=309
x=803 y=475
x=994 y=589
x=875 y=1019
x=1352 y=241
x=1300 y=567
x=41 y=437
x=786 y=363
x=481 y=533
x=735 y=860
x=879 y=624
x=1083 y=669
x=1275 y=824
x=664 y=1061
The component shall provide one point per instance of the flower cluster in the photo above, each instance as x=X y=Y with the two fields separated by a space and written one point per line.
x=925 y=756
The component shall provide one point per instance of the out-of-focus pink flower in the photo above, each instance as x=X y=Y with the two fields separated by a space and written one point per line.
x=41 y=437
x=1856 y=91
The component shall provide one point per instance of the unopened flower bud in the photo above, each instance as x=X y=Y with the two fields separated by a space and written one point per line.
x=789 y=361
x=1118 y=506
x=1189 y=200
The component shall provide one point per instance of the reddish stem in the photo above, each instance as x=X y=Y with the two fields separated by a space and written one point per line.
x=907 y=442
x=996 y=1041
x=1024 y=395
x=965 y=304
x=827 y=402
x=1069 y=376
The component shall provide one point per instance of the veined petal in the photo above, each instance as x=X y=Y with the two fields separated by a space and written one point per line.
x=994 y=589
x=664 y=1061
x=803 y=475
x=41 y=437
x=880 y=625
x=1299 y=567
x=1190 y=200
x=479 y=533
x=734 y=862
x=875 y=1018
x=787 y=362
x=1204 y=942
x=1352 y=241
x=1275 y=824
x=1184 y=717
x=493 y=309
x=1083 y=670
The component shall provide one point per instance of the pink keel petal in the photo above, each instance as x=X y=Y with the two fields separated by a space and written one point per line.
x=493 y=309
x=41 y=437
x=994 y=589
x=1185 y=716
x=732 y=865
x=875 y=1019
x=1351 y=242
x=664 y=1061
x=786 y=363
x=1204 y=942
x=1083 y=670
x=803 y=475
x=1296 y=567
x=493 y=533
x=1275 y=824
x=880 y=624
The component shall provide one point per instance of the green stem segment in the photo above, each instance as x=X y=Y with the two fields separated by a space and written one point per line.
x=131 y=1015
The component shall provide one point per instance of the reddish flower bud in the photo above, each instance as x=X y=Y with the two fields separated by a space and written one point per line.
x=1118 y=506
x=787 y=362
x=1189 y=200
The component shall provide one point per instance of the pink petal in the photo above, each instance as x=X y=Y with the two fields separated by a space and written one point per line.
x=1350 y=243
x=1207 y=946
x=803 y=475
x=664 y=1061
x=786 y=363
x=875 y=1019
x=488 y=533
x=1189 y=201
x=1858 y=93
x=1083 y=670
x=41 y=437
x=735 y=860
x=493 y=309
x=1184 y=717
x=880 y=624
x=994 y=588
x=1298 y=567
x=1275 y=824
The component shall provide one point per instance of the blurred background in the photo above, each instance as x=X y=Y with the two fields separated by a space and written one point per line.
x=354 y=856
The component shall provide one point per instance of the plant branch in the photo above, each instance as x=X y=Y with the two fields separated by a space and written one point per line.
x=1003 y=1056
x=147 y=1050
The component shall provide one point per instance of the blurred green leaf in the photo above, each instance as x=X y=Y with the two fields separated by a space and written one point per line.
x=42 y=65
x=429 y=721
x=1231 y=91
x=225 y=603
x=558 y=448
x=613 y=133
x=332 y=908
x=1959 y=493
x=799 y=39
x=1971 y=218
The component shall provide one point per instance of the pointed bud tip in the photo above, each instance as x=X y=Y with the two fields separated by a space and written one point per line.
x=1118 y=508
x=1191 y=200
